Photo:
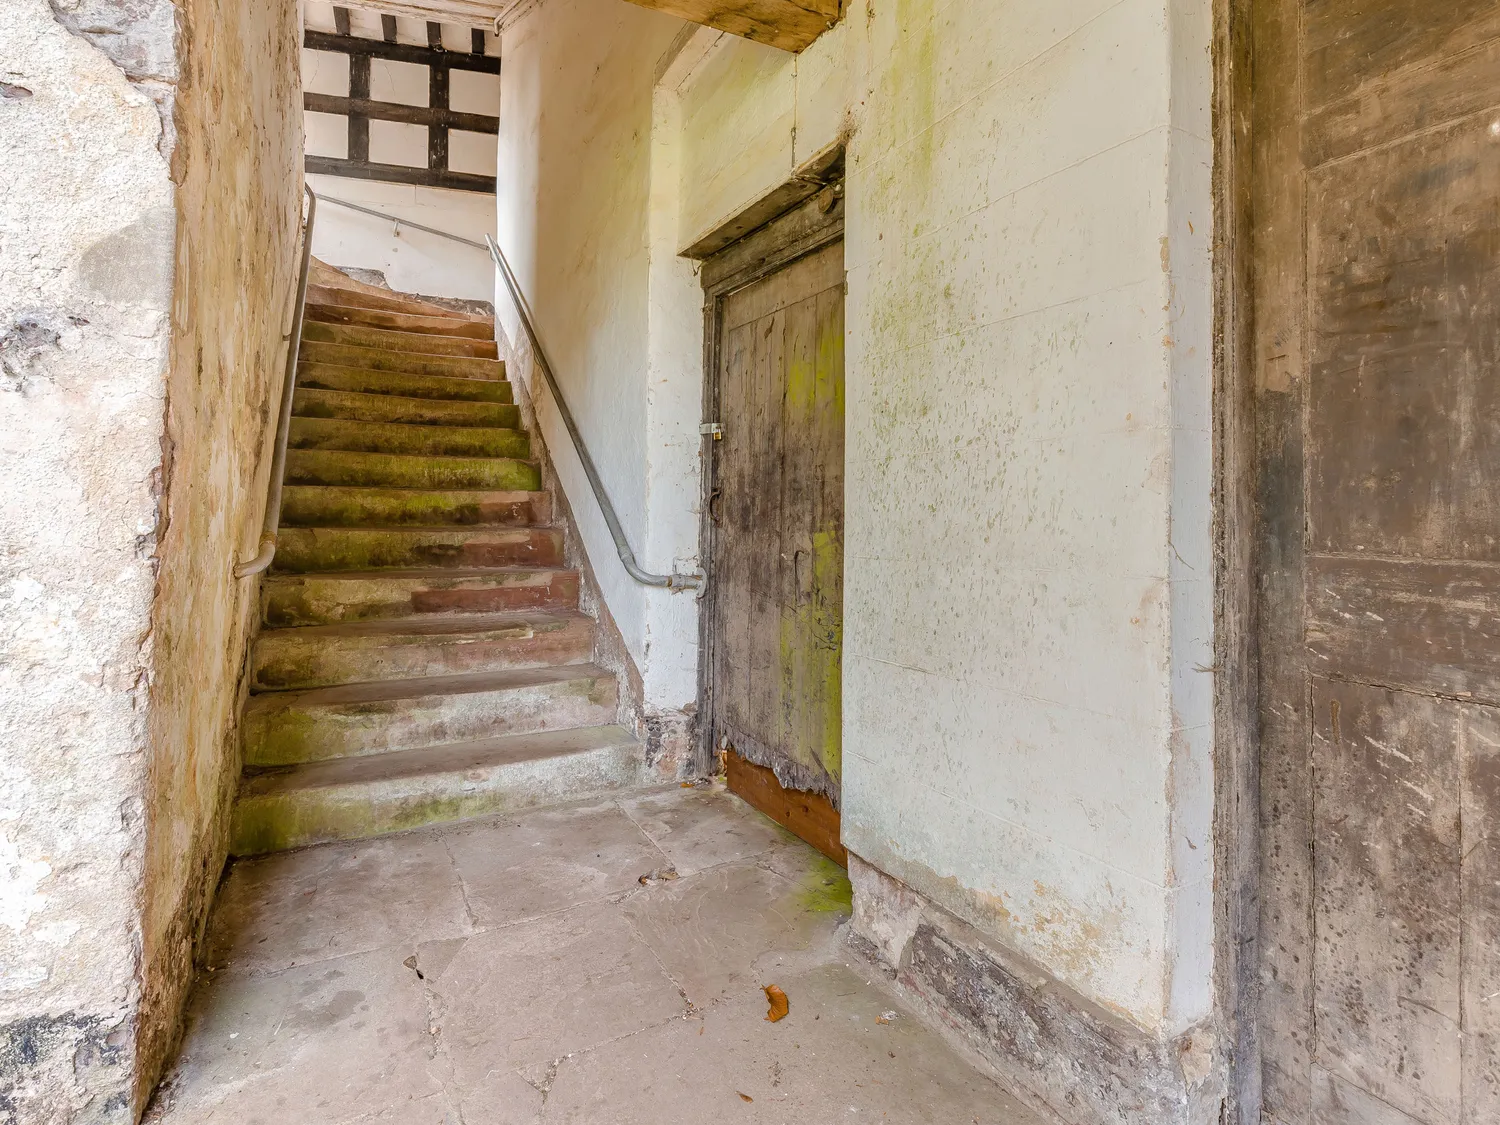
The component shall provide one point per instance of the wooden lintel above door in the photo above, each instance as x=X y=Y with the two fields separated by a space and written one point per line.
x=791 y=25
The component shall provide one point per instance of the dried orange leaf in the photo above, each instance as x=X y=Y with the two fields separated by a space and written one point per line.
x=778 y=1002
x=745 y=1097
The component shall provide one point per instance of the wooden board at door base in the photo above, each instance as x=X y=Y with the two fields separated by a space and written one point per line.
x=809 y=816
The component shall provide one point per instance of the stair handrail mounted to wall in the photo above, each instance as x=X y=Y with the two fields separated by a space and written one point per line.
x=271 y=521
x=674 y=582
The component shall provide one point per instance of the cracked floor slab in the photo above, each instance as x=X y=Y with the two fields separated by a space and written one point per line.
x=516 y=971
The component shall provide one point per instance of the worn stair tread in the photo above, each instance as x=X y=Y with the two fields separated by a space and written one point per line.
x=431 y=324
x=433 y=761
x=441 y=472
x=469 y=683
x=372 y=297
x=390 y=339
x=447 y=574
x=367 y=406
x=322 y=375
x=400 y=628
x=349 y=505
x=406 y=438
x=380 y=359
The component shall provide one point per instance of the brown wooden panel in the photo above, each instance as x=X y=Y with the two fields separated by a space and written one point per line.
x=1350 y=43
x=810 y=816
x=1387 y=956
x=1432 y=627
x=1481 y=921
x=1390 y=106
x=1404 y=259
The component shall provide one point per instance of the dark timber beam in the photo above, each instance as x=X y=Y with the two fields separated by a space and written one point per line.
x=400 y=52
x=359 y=109
x=399 y=174
x=789 y=24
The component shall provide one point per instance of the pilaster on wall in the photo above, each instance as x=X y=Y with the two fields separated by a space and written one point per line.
x=149 y=189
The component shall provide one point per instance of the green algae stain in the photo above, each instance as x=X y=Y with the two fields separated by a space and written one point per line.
x=825 y=889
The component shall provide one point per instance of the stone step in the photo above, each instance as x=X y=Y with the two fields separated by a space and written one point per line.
x=410 y=363
x=284 y=728
x=303 y=549
x=424 y=343
x=402 y=437
x=327 y=599
x=339 y=377
x=400 y=470
x=355 y=798
x=331 y=506
x=366 y=651
x=371 y=298
x=309 y=402
x=444 y=325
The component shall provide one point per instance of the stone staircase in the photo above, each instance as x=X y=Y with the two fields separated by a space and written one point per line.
x=423 y=657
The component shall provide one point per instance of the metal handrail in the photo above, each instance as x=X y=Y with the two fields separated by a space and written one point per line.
x=673 y=582
x=271 y=521
x=399 y=222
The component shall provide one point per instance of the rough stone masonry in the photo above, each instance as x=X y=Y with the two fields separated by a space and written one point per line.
x=149 y=182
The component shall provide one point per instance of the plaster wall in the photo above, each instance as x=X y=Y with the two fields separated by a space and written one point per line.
x=1027 y=600
x=147 y=209
x=411 y=260
x=582 y=220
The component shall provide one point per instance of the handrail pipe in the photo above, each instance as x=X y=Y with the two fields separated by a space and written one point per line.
x=673 y=582
x=271 y=521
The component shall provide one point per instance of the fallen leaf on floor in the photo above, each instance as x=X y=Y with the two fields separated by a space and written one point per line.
x=778 y=1002
x=700 y=1029
x=411 y=963
x=660 y=875
x=745 y=1097
x=886 y=1017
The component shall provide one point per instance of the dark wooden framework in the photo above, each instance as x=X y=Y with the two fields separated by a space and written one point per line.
x=436 y=116
x=804 y=229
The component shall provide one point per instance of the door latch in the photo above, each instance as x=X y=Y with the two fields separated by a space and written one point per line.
x=713 y=430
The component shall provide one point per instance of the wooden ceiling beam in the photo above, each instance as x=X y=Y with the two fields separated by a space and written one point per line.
x=791 y=25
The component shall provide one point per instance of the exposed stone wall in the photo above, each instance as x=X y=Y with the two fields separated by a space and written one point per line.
x=237 y=166
x=141 y=300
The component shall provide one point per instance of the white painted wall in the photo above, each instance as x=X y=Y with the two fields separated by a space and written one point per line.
x=1027 y=579
x=412 y=261
x=590 y=232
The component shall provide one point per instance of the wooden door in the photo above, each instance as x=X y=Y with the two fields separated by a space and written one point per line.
x=776 y=562
x=1376 y=227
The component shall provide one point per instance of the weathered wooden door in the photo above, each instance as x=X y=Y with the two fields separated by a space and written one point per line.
x=776 y=563
x=1376 y=227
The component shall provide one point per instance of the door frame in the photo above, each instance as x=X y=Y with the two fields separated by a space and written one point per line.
x=801 y=230
x=1236 y=755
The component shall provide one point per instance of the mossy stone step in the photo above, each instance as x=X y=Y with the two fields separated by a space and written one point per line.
x=424 y=343
x=337 y=506
x=324 y=294
x=327 y=599
x=354 y=720
x=341 y=377
x=411 y=363
x=400 y=321
x=309 y=402
x=325 y=655
x=403 y=437
x=303 y=549
x=355 y=798
x=403 y=470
